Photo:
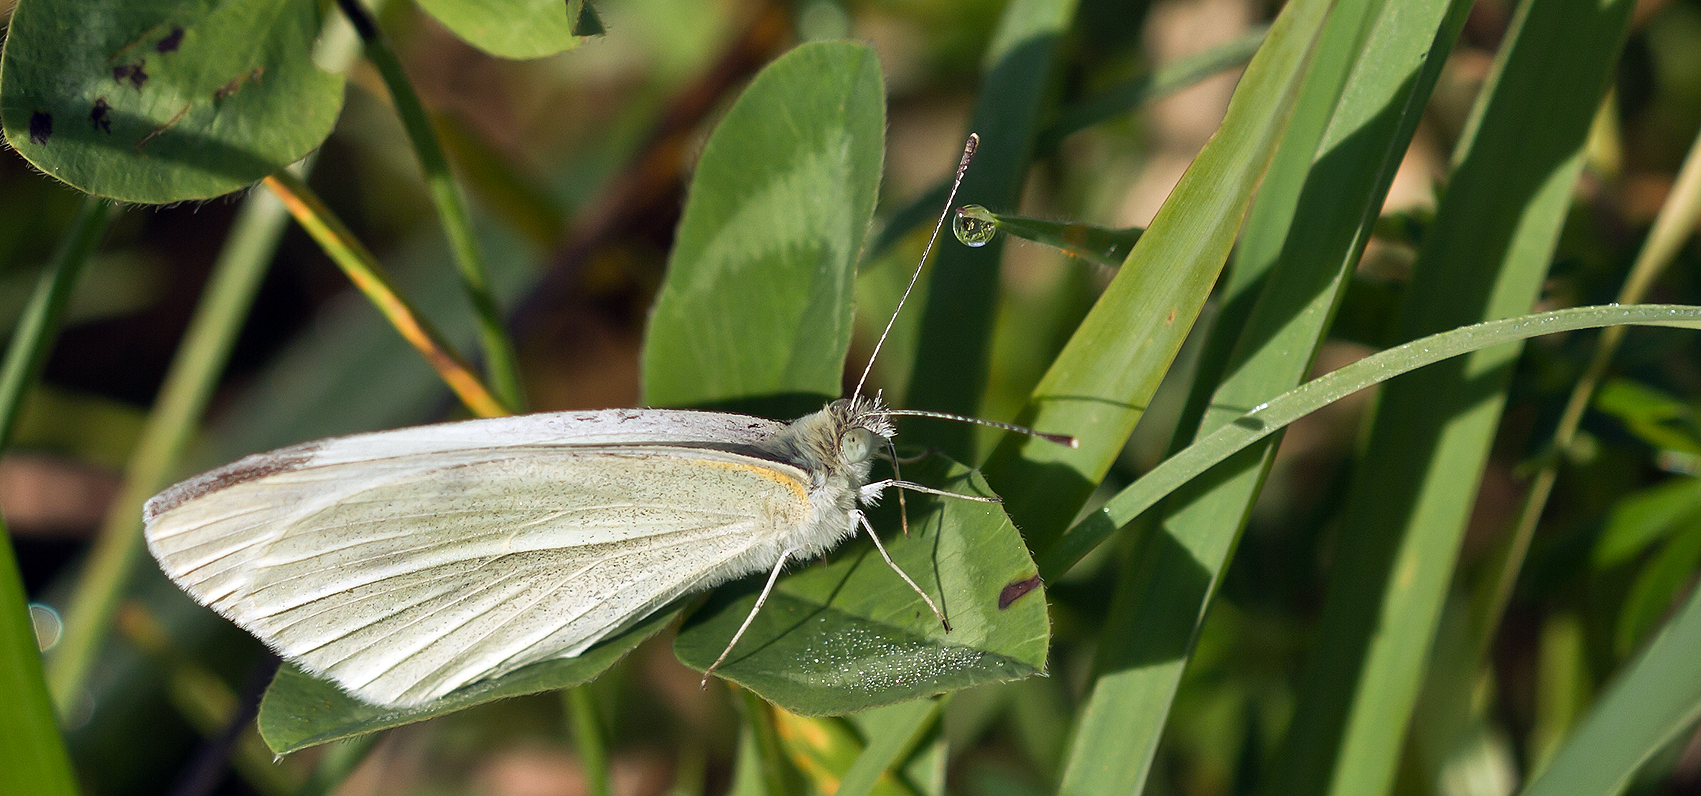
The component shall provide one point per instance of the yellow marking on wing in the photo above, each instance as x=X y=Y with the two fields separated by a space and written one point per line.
x=797 y=488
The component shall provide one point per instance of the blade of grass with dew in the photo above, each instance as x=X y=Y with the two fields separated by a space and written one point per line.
x=975 y=226
x=1656 y=697
x=32 y=752
x=1168 y=584
x=364 y=271
x=1484 y=258
x=1098 y=387
x=1294 y=404
x=951 y=362
x=501 y=366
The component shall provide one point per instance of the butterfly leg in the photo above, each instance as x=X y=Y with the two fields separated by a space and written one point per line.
x=862 y=519
x=772 y=577
x=903 y=508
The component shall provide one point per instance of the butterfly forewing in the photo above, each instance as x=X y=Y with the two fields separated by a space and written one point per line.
x=405 y=575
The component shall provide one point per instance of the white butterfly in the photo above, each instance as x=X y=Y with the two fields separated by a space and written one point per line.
x=405 y=564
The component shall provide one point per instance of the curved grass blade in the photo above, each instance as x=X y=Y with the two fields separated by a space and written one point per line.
x=1277 y=413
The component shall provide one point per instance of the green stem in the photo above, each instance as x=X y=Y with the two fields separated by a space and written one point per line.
x=501 y=366
x=31 y=749
x=175 y=417
x=368 y=276
x=588 y=738
x=340 y=760
x=775 y=768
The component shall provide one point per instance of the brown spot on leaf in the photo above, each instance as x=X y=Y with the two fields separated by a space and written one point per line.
x=134 y=73
x=235 y=83
x=98 y=117
x=171 y=41
x=41 y=127
x=1014 y=591
x=241 y=471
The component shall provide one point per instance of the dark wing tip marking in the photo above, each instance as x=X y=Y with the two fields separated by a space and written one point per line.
x=241 y=471
x=1014 y=591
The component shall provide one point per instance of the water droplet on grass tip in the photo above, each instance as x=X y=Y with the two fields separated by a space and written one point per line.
x=974 y=226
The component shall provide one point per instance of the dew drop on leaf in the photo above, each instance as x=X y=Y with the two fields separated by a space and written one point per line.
x=974 y=226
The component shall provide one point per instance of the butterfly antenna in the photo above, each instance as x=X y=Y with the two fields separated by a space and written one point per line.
x=1061 y=439
x=969 y=148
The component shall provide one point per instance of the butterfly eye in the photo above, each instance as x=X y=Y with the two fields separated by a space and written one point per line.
x=857 y=445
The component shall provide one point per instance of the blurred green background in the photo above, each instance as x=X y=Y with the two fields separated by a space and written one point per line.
x=575 y=165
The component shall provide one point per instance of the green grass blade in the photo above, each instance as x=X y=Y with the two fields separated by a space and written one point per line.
x=1278 y=412
x=901 y=726
x=1485 y=258
x=1654 y=699
x=955 y=341
x=589 y=740
x=779 y=778
x=1098 y=388
x=1167 y=79
x=1165 y=591
x=32 y=753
